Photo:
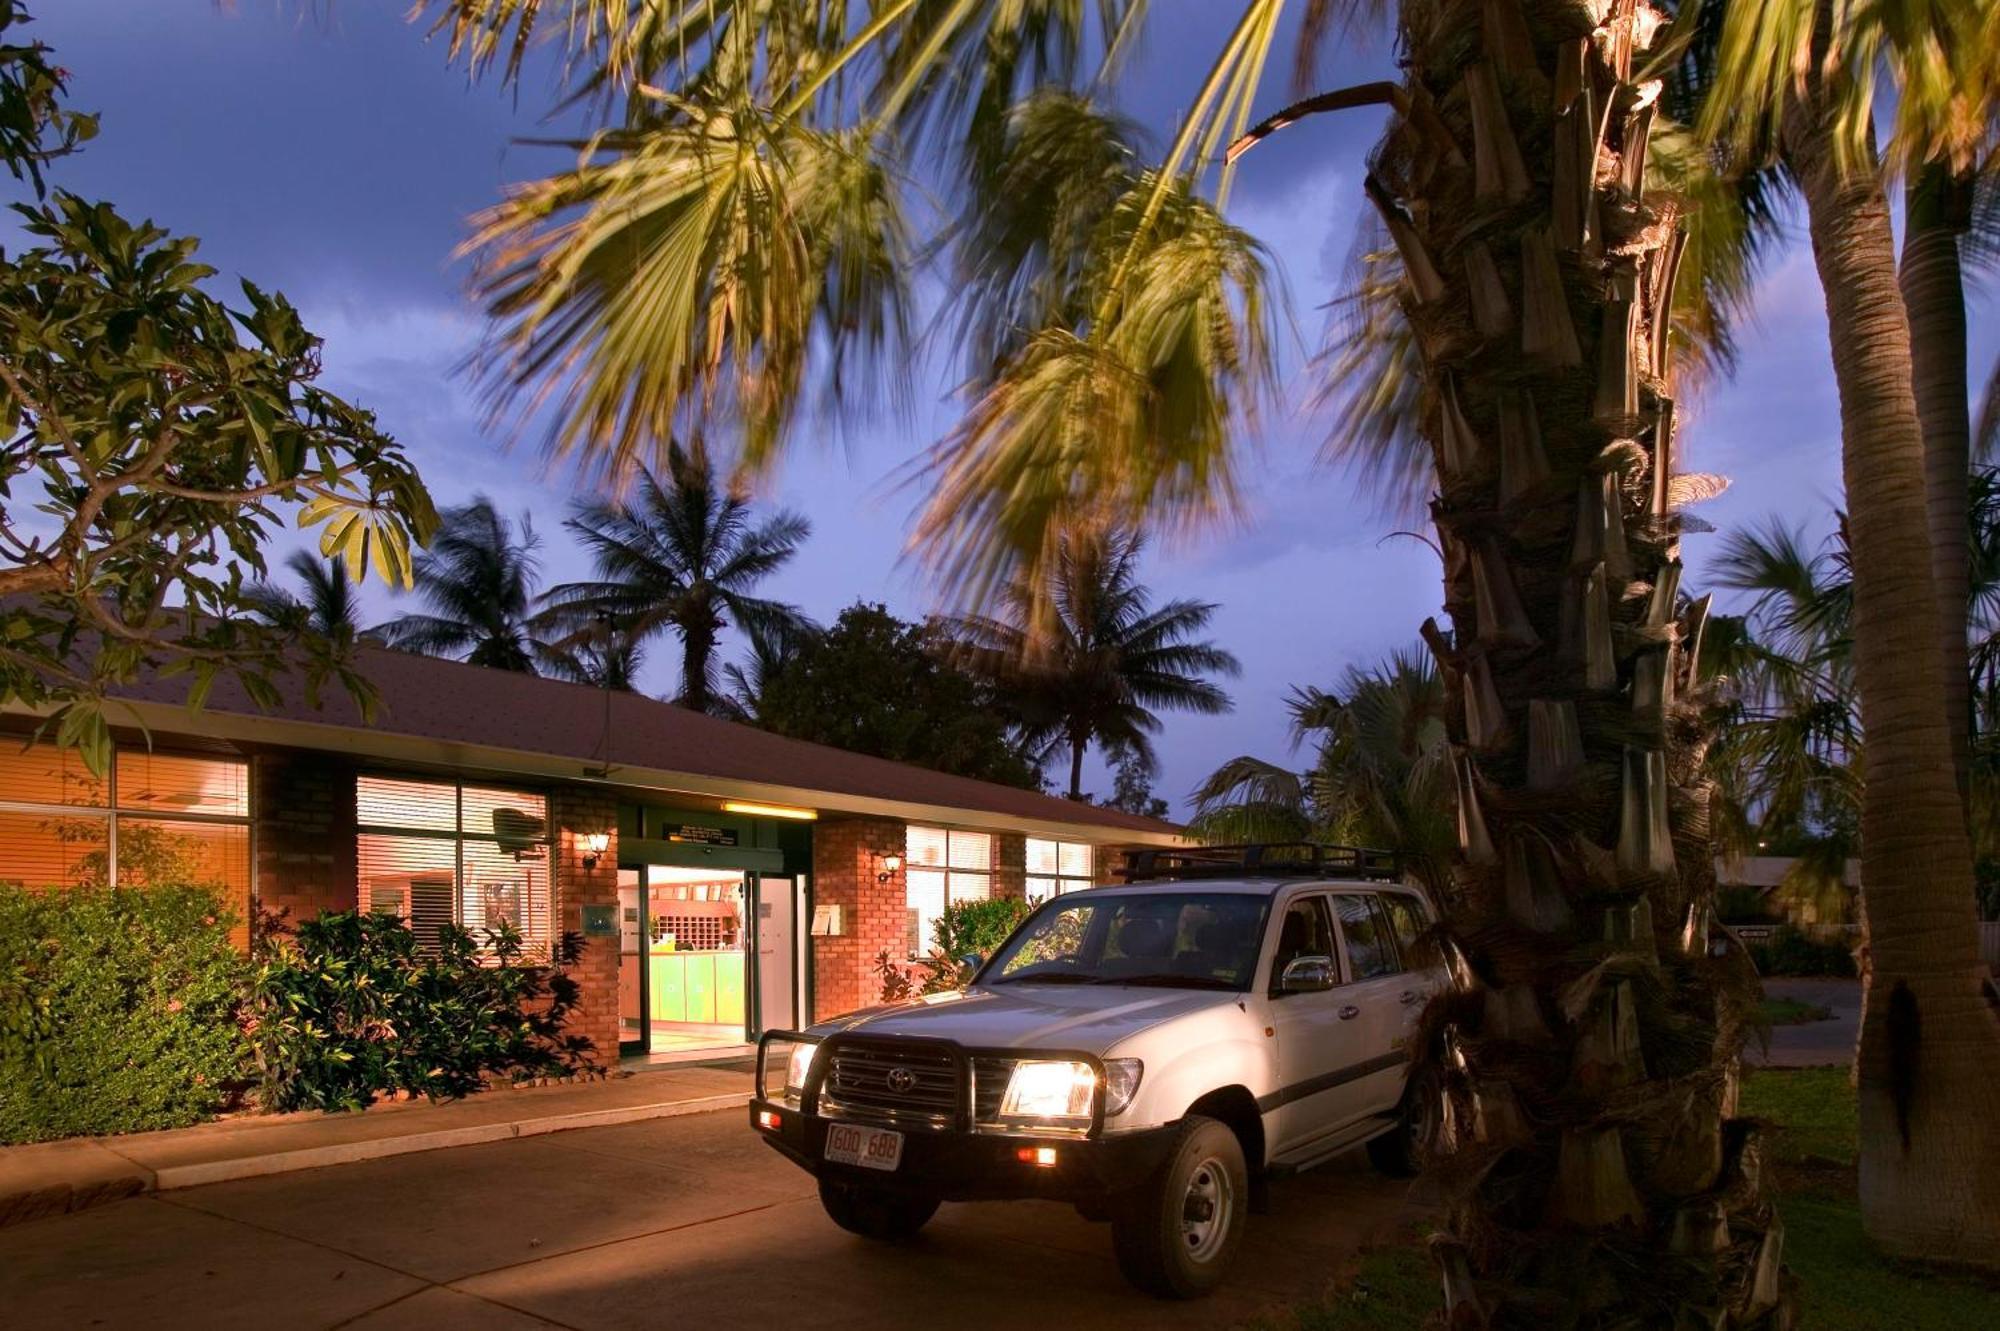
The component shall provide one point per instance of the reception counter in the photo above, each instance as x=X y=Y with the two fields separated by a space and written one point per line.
x=704 y=987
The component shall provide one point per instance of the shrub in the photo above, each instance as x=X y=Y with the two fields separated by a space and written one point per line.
x=348 y=1008
x=964 y=928
x=123 y=1010
x=1790 y=952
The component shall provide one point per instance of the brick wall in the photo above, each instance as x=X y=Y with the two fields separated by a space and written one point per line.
x=1010 y=866
x=846 y=860
x=574 y=812
x=304 y=812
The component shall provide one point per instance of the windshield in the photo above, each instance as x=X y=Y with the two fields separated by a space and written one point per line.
x=1182 y=940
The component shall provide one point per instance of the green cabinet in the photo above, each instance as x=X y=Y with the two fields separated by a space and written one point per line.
x=704 y=988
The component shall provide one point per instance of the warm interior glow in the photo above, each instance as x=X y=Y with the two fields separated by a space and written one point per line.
x=770 y=811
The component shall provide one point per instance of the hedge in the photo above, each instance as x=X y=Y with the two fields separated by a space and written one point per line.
x=121 y=1010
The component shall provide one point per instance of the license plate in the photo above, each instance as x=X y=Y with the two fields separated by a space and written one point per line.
x=870 y=1148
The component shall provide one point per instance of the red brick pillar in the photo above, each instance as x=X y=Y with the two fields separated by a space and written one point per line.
x=305 y=839
x=847 y=859
x=575 y=812
x=1010 y=866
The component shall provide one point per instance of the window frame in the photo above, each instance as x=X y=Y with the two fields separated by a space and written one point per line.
x=532 y=948
x=1371 y=903
x=947 y=871
x=1063 y=883
x=111 y=812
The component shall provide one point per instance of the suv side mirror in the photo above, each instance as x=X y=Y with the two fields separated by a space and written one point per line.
x=1308 y=975
x=972 y=961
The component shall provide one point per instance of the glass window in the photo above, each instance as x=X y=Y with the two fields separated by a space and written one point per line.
x=1408 y=920
x=1181 y=940
x=1306 y=932
x=437 y=852
x=1371 y=952
x=941 y=868
x=175 y=818
x=1055 y=867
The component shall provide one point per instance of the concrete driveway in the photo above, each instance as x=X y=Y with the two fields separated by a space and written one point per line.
x=683 y=1222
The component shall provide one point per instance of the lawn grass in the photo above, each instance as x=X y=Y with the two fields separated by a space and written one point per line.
x=1792 y=1011
x=1844 y=1284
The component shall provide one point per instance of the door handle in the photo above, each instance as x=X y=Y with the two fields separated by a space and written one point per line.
x=1349 y=1012
x=1410 y=996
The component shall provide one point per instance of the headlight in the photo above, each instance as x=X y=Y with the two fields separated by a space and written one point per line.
x=797 y=1069
x=795 y=1057
x=1121 y=1083
x=1049 y=1091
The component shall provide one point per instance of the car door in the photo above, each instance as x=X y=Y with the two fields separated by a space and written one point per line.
x=1383 y=998
x=1316 y=1035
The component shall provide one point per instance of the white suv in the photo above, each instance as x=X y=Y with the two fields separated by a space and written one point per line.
x=1151 y=1052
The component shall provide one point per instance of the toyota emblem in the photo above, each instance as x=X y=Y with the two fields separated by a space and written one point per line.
x=901 y=1080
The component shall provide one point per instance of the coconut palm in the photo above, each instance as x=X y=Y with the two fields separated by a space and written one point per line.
x=1380 y=776
x=681 y=556
x=1798 y=82
x=328 y=607
x=737 y=230
x=1102 y=663
x=478 y=580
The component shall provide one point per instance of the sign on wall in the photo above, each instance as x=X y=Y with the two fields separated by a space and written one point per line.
x=600 y=922
x=702 y=836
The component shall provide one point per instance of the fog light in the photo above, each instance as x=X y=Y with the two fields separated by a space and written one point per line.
x=767 y=1120
x=1042 y=1157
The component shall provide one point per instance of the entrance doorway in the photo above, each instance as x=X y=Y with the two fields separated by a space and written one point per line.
x=683 y=970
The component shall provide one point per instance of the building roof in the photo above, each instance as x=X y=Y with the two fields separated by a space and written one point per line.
x=446 y=712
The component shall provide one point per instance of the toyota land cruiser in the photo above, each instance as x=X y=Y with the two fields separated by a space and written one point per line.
x=1151 y=1052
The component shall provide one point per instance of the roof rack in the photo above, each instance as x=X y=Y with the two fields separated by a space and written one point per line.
x=1259 y=859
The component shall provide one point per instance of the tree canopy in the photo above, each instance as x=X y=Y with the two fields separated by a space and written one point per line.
x=874 y=684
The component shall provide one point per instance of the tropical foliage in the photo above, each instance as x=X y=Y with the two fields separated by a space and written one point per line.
x=155 y=439
x=350 y=1009
x=681 y=556
x=1380 y=774
x=1088 y=659
x=478 y=578
x=328 y=607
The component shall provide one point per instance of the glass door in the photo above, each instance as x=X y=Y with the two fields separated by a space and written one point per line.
x=696 y=970
x=631 y=956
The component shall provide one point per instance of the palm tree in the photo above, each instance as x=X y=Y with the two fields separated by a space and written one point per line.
x=680 y=557
x=1381 y=774
x=737 y=231
x=478 y=579
x=1102 y=663
x=1802 y=91
x=329 y=606
x=772 y=649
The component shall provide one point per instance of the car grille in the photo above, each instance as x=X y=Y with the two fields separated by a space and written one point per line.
x=864 y=1083
x=989 y=1087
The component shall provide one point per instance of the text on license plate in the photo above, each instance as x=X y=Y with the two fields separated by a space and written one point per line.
x=871 y=1148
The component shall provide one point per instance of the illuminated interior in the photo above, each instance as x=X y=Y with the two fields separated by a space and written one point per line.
x=682 y=966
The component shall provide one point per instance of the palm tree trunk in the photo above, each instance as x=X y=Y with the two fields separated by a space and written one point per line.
x=1937 y=210
x=1930 y=1144
x=1585 y=1135
x=1077 y=745
x=697 y=651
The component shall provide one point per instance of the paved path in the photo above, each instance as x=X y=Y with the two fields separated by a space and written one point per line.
x=682 y=1222
x=1816 y=1043
x=47 y=1178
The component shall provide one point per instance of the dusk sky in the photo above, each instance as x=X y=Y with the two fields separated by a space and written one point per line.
x=335 y=158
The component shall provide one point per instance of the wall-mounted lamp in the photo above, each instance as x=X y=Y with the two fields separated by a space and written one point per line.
x=887 y=867
x=594 y=846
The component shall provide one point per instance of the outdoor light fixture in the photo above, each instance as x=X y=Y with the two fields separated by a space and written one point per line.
x=594 y=846
x=887 y=866
x=770 y=811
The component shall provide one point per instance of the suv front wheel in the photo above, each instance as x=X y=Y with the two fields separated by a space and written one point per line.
x=875 y=1213
x=1174 y=1235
